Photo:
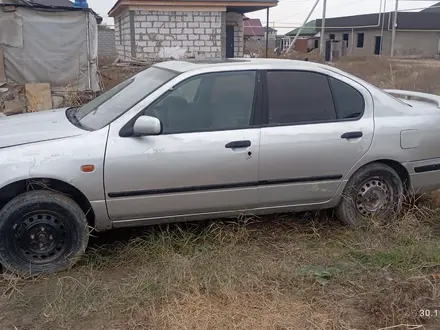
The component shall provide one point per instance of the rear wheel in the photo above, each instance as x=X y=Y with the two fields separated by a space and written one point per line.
x=41 y=232
x=374 y=192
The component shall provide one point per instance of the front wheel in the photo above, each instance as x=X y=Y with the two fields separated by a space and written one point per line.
x=373 y=192
x=41 y=232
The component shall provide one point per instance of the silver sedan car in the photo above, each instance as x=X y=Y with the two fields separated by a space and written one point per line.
x=191 y=140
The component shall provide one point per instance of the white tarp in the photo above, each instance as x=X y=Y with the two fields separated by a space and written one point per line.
x=11 y=27
x=93 y=50
x=54 y=49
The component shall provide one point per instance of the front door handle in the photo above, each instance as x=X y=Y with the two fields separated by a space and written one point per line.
x=352 y=135
x=238 y=144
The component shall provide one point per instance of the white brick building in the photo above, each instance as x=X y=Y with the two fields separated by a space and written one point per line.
x=149 y=29
x=106 y=41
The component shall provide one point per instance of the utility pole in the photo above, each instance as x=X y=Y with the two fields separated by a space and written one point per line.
x=292 y=44
x=383 y=25
x=322 y=42
x=267 y=32
x=393 y=35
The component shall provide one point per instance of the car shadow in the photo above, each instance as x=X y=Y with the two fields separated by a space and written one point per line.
x=302 y=222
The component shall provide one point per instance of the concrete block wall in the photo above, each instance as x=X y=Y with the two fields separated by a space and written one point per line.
x=258 y=45
x=369 y=42
x=236 y=20
x=178 y=34
x=123 y=36
x=408 y=43
x=106 y=41
x=415 y=43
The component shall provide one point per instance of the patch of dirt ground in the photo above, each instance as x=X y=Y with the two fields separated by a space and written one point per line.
x=281 y=272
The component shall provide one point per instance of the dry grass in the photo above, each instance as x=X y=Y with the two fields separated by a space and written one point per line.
x=419 y=75
x=270 y=273
x=384 y=72
x=280 y=272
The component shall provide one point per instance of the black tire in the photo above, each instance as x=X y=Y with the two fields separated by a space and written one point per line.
x=375 y=179
x=41 y=232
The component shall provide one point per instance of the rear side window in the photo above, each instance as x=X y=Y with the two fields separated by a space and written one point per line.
x=348 y=101
x=299 y=97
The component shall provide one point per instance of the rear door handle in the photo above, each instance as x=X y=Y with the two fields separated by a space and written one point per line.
x=352 y=135
x=238 y=144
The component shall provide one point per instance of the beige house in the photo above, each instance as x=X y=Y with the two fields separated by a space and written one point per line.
x=417 y=33
x=152 y=29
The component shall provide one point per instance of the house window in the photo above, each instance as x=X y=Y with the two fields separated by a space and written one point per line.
x=346 y=38
x=360 y=40
x=285 y=43
x=332 y=36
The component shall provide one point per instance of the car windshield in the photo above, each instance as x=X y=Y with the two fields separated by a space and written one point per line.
x=110 y=105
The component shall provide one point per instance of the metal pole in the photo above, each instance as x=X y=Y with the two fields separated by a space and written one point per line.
x=292 y=44
x=383 y=24
x=322 y=43
x=393 y=35
x=352 y=41
x=89 y=71
x=267 y=32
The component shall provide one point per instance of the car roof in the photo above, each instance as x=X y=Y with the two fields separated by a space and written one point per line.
x=274 y=63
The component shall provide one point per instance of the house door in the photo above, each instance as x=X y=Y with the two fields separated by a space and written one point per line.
x=229 y=41
x=328 y=50
x=377 y=45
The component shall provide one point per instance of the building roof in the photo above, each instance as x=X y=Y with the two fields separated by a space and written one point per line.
x=253 y=27
x=405 y=21
x=56 y=3
x=309 y=29
x=433 y=9
x=429 y=20
x=240 y=6
x=52 y=5
x=271 y=30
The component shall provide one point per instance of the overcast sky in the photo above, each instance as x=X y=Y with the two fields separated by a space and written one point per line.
x=291 y=13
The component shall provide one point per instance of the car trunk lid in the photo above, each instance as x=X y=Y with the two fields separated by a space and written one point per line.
x=417 y=99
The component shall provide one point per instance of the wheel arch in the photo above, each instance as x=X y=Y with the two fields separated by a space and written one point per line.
x=12 y=190
x=396 y=166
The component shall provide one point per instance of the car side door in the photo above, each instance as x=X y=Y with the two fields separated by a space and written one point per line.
x=317 y=126
x=204 y=161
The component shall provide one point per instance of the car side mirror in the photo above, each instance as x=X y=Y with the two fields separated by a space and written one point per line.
x=147 y=125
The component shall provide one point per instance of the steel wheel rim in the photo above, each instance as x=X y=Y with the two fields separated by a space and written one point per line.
x=41 y=237
x=374 y=197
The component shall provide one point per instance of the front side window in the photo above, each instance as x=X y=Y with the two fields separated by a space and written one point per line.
x=209 y=102
x=101 y=111
x=296 y=97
